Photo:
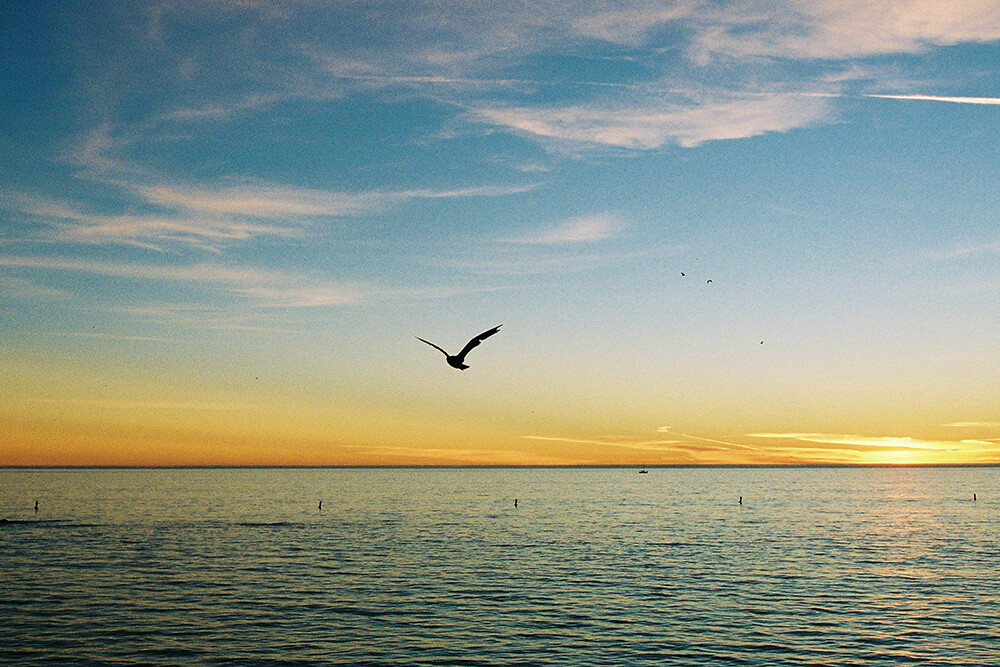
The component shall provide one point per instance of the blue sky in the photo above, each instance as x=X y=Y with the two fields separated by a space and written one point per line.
x=199 y=195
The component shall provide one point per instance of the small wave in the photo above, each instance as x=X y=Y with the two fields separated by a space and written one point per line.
x=47 y=523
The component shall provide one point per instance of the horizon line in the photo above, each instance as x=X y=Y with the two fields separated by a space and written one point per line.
x=497 y=465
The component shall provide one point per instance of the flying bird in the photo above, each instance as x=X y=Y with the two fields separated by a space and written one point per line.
x=458 y=360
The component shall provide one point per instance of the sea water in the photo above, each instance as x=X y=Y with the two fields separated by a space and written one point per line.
x=859 y=566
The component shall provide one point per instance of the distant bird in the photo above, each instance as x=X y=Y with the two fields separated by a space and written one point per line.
x=709 y=282
x=682 y=273
x=458 y=360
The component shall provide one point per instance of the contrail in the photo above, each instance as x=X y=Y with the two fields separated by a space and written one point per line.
x=648 y=86
x=466 y=81
x=940 y=98
x=718 y=442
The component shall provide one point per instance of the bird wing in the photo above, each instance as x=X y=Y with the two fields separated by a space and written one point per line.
x=477 y=340
x=445 y=352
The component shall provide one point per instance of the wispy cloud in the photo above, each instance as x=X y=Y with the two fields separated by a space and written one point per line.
x=107 y=336
x=267 y=288
x=735 y=38
x=839 y=29
x=747 y=45
x=652 y=125
x=524 y=259
x=586 y=228
x=864 y=442
x=304 y=297
x=666 y=429
x=13 y=287
x=164 y=224
x=613 y=441
x=972 y=425
x=965 y=250
x=141 y=405
x=379 y=454
x=203 y=272
x=681 y=447
x=209 y=218
x=233 y=318
x=865 y=449
x=260 y=287
x=259 y=200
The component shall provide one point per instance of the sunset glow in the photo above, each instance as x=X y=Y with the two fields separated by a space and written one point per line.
x=225 y=224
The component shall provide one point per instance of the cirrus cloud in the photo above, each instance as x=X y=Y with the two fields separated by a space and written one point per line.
x=653 y=125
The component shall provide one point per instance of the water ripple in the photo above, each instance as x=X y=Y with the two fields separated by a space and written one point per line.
x=436 y=567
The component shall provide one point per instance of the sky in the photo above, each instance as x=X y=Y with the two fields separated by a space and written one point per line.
x=714 y=232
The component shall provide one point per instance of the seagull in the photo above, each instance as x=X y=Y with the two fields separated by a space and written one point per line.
x=458 y=360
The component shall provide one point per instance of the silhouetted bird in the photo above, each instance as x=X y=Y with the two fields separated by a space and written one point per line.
x=709 y=282
x=458 y=360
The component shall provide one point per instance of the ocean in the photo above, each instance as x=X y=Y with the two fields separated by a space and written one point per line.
x=436 y=566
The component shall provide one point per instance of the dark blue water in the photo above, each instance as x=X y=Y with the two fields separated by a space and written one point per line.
x=824 y=566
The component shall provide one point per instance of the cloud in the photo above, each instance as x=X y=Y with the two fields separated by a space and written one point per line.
x=142 y=405
x=839 y=29
x=18 y=288
x=649 y=125
x=446 y=456
x=612 y=441
x=265 y=288
x=527 y=259
x=258 y=200
x=302 y=297
x=972 y=425
x=631 y=22
x=587 y=228
x=107 y=336
x=462 y=193
x=209 y=218
x=745 y=45
x=855 y=449
x=971 y=249
x=203 y=272
x=686 y=443
x=227 y=318
x=864 y=442
x=453 y=35
x=658 y=451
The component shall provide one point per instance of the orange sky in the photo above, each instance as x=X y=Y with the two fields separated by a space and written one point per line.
x=741 y=235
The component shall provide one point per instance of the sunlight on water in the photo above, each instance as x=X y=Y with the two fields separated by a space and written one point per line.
x=437 y=566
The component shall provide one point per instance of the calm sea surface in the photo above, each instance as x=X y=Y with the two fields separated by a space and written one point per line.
x=436 y=566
